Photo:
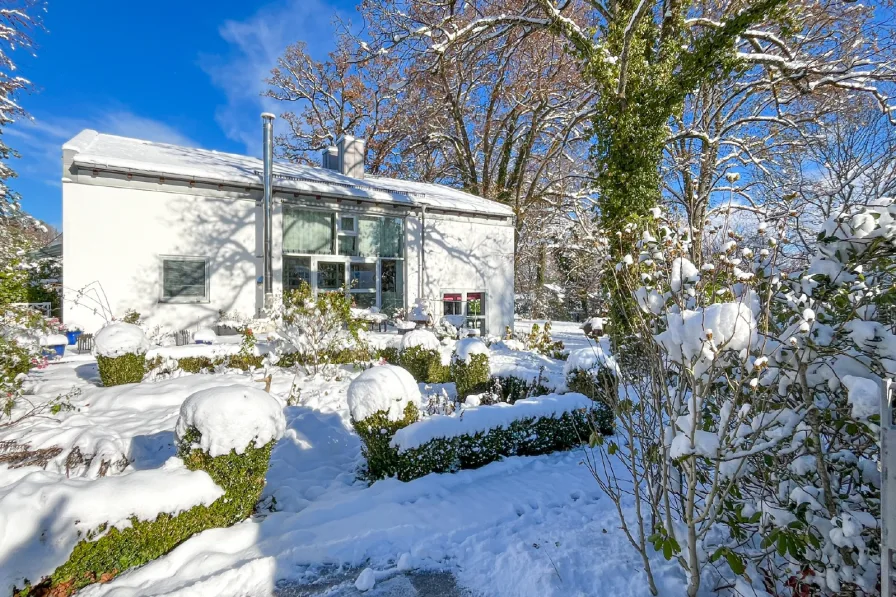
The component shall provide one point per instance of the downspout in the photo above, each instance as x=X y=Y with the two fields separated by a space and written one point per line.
x=421 y=257
x=267 y=120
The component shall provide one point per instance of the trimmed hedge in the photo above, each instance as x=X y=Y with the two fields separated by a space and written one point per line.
x=472 y=377
x=376 y=432
x=424 y=364
x=128 y=368
x=602 y=387
x=241 y=476
x=526 y=437
x=516 y=388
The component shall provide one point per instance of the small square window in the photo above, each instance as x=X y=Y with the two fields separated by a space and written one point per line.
x=347 y=224
x=362 y=276
x=185 y=279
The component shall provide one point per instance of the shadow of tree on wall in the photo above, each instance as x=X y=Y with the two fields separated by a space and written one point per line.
x=223 y=230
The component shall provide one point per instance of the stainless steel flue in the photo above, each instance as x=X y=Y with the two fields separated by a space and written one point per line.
x=267 y=120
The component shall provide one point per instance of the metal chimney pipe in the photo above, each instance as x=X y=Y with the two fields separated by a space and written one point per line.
x=267 y=120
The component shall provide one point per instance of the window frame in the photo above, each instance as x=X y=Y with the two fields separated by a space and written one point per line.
x=206 y=298
x=480 y=321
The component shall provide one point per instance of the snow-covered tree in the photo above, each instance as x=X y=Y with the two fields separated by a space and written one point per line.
x=749 y=407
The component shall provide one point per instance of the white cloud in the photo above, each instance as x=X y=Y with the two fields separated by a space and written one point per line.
x=255 y=44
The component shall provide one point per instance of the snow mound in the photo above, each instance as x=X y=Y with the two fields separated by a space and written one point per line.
x=864 y=396
x=422 y=338
x=205 y=336
x=589 y=359
x=119 y=338
x=480 y=419
x=385 y=387
x=53 y=340
x=230 y=417
x=43 y=515
x=466 y=348
x=511 y=344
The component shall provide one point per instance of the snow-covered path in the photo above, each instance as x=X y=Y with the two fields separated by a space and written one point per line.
x=524 y=526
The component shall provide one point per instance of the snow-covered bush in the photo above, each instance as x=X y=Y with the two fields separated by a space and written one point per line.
x=419 y=354
x=754 y=391
x=120 y=350
x=469 y=367
x=205 y=336
x=382 y=400
x=479 y=435
x=317 y=330
x=227 y=432
x=592 y=372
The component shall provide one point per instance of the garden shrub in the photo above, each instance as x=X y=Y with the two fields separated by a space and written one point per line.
x=425 y=364
x=470 y=377
x=128 y=368
x=526 y=437
x=390 y=355
x=601 y=386
x=376 y=433
x=241 y=476
x=510 y=388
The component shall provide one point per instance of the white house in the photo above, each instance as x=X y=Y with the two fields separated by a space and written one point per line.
x=178 y=234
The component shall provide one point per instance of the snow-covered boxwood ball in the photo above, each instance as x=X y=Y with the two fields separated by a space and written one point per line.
x=419 y=354
x=469 y=367
x=592 y=372
x=120 y=350
x=227 y=432
x=381 y=401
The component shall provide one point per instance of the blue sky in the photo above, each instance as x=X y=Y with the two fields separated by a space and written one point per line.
x=186 y=72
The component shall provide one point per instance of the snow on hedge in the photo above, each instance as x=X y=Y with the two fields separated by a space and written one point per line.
x=480 y=419
x=422 y=338
x=230 y=417
x=588 y=359
x=119 y=338
x=683 y=272
x=385 y=387
x=466 y=348
x=43 y=515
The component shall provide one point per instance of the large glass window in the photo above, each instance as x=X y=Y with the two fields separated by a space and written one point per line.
x=185 y=279
x=362 y=276
x=393 y=236
x=392 y=284
x=330 y=275
x=306 y=231
x=295 y=271
x=369 y=236
x=364 y=254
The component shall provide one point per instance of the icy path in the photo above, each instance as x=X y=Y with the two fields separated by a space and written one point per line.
x=525 y=526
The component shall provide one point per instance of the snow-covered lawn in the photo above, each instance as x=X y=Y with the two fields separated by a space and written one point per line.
x=523 y=526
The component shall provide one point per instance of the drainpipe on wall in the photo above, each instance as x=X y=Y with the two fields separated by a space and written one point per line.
x=267 y=120
x=421 y=258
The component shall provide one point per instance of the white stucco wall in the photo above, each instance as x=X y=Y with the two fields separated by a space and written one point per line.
x=463 y=255
x=115 y=237
x=117 y=230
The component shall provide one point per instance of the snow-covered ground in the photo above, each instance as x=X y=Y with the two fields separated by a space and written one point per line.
x=523 y=526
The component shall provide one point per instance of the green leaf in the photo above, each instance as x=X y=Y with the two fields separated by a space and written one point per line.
x=736 y=562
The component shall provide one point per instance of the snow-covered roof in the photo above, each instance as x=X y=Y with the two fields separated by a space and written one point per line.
x=110 y=152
